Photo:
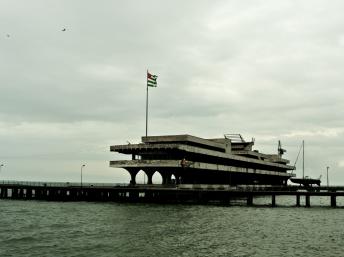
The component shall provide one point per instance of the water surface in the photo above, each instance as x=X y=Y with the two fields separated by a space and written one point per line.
x=38 y=228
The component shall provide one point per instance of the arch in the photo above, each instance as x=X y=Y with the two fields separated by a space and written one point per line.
x=173 y=179
x=141 y=177
x=157 y=178
x=133 y=172
x=149 y=174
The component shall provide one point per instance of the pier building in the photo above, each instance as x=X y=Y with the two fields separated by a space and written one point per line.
x=186 y=159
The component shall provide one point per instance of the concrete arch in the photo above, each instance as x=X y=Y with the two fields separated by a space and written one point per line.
x=166 y=175
x=148 y=175
x=141 y=177
x=157 y=177
x=132 y=172
x=173 y=179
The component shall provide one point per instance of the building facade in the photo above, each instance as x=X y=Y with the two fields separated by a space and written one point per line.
x=186 y=159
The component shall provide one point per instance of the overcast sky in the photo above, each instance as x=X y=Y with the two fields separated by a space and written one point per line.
x=272 y=70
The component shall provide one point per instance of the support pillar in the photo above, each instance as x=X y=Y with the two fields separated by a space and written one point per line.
x=21 y=193
x=14 y=193
x=29 y=193
x=177 y=176
x=308 y=202
x=166 y=177
x=273 y=200
x=133 y=172
x=249 y=200
x=333 y=201
x=4 y=193
x=297 y=200
x=149 y=174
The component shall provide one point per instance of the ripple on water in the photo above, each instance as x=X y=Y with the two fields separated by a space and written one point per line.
x=30 y=228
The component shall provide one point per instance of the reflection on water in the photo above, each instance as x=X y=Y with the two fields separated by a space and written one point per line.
x=33 y=228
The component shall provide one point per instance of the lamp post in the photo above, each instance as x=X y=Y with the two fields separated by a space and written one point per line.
x=328 y=184
x=81 y=175
x=1 y=165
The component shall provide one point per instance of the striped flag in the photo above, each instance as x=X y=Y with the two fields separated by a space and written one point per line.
x=151 y=80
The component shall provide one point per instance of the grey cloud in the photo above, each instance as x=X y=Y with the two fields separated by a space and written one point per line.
x=261 y=68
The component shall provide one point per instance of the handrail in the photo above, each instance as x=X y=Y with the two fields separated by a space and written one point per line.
x=59 y=184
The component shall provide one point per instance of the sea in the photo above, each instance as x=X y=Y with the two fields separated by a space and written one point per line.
x=77 y=229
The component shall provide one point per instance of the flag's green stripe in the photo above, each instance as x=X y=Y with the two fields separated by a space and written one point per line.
x=151 y=82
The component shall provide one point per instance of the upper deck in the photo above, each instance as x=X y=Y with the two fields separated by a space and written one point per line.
x=218 y=150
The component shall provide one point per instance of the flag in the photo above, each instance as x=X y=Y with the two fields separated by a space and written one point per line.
x=151 y=80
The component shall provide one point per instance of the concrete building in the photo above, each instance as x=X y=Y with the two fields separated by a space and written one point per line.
x=186 y=159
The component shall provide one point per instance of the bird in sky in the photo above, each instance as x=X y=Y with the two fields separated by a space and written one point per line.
x=8 y=35
x=64 y=29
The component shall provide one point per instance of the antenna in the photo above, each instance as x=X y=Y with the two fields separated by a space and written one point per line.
x=303 y=158
x=281 y=151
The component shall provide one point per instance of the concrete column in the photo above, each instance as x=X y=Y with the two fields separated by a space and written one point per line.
x=333 y=201
x=29 y=193
x=249 y=200
x=149 y=174
x=273 y=200
x=21 y=193
x=308 y=202
x=14 y=193
x=133 y=172
x=166 y=177
x=3 y=189
x=4 y=193
x=176 y=175
x=297 y=200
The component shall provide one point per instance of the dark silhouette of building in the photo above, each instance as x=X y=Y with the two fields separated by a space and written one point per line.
x=186 y=159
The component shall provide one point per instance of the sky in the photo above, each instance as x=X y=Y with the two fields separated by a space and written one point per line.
x=269 y=70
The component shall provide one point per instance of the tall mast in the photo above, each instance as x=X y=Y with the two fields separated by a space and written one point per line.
x=147 y=111
x=303 y=158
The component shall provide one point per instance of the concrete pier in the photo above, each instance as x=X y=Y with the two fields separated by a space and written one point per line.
x=273 y=200
x=249 y=200
x=333 y=201
x=308 y=200
x=200 y=194
x=298 y=200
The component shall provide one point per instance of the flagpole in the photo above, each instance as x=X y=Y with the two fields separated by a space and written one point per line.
x=147 y=109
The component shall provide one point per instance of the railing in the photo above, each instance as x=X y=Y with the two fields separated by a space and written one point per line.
x=59 y=184
x=238 y=187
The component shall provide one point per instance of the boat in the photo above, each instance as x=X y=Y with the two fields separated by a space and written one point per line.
x=305 y=181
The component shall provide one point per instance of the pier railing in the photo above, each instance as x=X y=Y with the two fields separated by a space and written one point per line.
x=59 y=184
x=183 y=193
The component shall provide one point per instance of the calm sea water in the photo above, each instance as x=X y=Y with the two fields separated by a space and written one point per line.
x=38 y=228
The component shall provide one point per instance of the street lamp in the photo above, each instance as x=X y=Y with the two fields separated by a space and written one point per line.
x=81 y=175
x=1 y=167
x=327 y=175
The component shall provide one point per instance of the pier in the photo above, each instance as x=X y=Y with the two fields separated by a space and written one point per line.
x=199 y=194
